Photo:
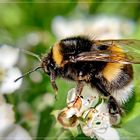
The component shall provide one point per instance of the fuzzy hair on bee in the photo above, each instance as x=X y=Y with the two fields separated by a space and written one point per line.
x=102 y=64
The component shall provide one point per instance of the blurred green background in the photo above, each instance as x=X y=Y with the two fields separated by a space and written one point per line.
x=28 y=25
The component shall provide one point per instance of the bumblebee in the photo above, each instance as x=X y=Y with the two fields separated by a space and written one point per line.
x=102 y=64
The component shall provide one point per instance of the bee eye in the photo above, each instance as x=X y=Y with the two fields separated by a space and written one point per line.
x=102 y=47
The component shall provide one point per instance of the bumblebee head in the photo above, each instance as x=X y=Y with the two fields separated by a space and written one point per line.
x=49 y=67
x=47 y=64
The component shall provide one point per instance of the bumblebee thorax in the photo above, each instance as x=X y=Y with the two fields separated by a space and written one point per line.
x=57 y=55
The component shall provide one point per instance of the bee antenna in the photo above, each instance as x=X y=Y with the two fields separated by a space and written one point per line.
x=29 y=72
x=31 y=53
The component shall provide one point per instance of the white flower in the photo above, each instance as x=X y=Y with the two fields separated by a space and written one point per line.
x=8 y=56
x=83 y=102
x=32 y=39
x=8 y=85
x=8 y=72
x=16 y=132
x=101 y=27
x=69 y=115
x=7 y=116
x=76 y=105
x=89 y=98
x=66 y=27
x=47 y=99
x=97 y=123
x=8 y=129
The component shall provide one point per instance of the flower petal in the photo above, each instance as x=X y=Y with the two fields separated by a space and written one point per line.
x=17 y=133
x=88 y=131
x=90 y=95
x=97 y=124
x=7 y=117
x=96 y=120
x=71 y=96
x=109 y=134
x=89 y=98
x=66 y=27
x=102 y=108
x=68 y=118
x=8 y=85
x=8 y=56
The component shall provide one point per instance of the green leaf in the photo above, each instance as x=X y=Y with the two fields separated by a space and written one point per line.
x=133 y=126
x=81 y=137
x=74 y=131
x=126 y=135
x=133 y=114
x=45 y=124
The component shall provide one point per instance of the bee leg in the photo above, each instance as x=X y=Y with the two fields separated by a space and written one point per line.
x=113 y=106
x=79 y=88
x=55 y=88
x=52 y=78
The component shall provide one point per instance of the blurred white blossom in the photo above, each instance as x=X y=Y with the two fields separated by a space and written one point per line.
x=8 y=129
x=7 y=116
x=8 y=85
x=8 y=71
x=33 y=39
x=46 y=100
x=8 y=56
x=16 y=132
x=36 y=77
x=98 y=27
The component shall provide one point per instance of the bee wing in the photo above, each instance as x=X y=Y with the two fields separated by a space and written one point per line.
x=106 y=56
x=130 y=54
x=128 y=45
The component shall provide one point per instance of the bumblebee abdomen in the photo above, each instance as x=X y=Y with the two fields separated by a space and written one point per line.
x=112 y=71
x=117 y=75
x=120 y=86
x=119 y=82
